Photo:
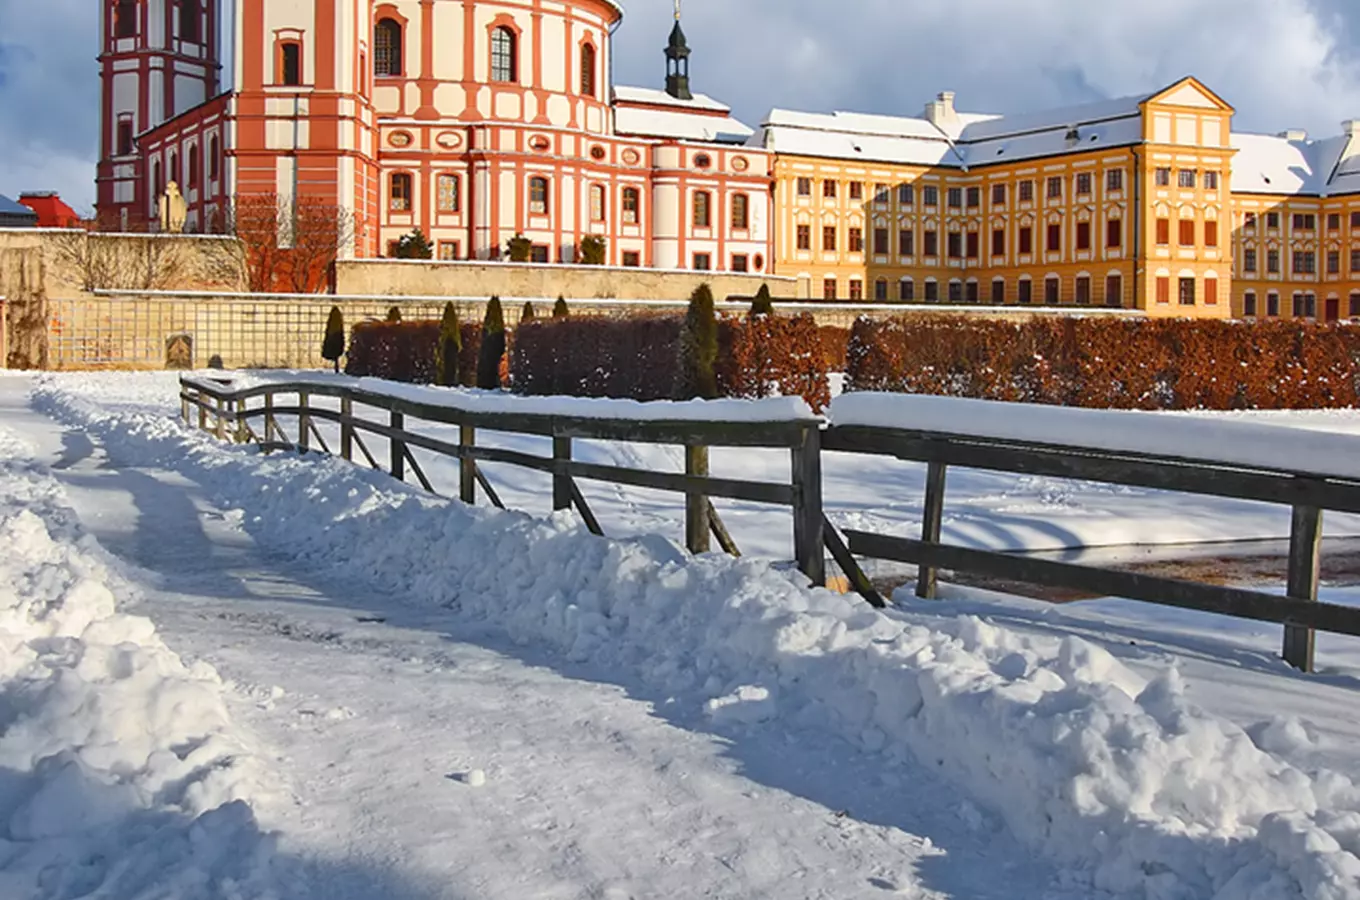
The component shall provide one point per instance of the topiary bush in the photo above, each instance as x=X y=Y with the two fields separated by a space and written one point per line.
x=762 y=305
x=493 y=347
x=333 y=344
x=699 y=347
x=448 y=349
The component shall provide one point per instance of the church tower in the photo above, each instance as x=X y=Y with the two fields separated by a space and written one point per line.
x=677 y=61
x=158 y=58
x=305 y=128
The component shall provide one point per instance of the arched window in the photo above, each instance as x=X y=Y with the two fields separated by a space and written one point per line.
x=173 y=169
x=597 y=210
x=632 y=204
x=193 y=166
x=538 y=196
x=214 y=159
x=156 y=187
x=703 y=209
x=400 y=194
x=189 y=15
x=387 y=47
x=741 y=212
x=504 y=56
x=588 y=70
x=125 y=19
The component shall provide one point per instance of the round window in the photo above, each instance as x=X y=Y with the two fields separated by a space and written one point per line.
x=759 y=262
x=702 y=161
x=597 y=152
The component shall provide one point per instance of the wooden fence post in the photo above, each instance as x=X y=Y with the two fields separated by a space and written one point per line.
x=346 y=429
x=808 y=519
x=927 y=579
x=561 y=484
x=304 y=422
x=697 y=525
x=398 y=447
x=183 y=399
x=269 y=430
x=221 y=419
x=239 y=429
x=1305 y=571
x=467 y=466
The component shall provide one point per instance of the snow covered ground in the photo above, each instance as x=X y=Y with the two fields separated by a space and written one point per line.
x=653 y=726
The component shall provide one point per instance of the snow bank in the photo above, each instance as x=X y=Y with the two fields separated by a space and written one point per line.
x=771 y=409
x=1159 y=434
x=1123 y=781
x=121 y=775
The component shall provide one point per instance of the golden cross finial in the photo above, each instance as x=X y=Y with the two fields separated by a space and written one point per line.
x=677 y=10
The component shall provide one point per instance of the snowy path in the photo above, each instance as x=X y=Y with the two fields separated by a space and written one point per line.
x=376 y=709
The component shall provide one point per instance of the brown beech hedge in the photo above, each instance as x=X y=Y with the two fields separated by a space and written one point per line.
x=638 y=357
x=1119 y=363
x=405 y=351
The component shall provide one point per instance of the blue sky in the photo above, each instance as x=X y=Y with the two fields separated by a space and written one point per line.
x=1282 y=63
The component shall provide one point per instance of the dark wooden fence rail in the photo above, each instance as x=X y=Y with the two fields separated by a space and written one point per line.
x=1308 y=495
x=228 y=413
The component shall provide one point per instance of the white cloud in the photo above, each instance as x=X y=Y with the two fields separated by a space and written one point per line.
x=1282 y=63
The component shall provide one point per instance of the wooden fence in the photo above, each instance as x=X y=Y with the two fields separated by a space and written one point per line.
x=231 y=413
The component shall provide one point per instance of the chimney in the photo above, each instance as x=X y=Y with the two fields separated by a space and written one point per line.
x=940 y=111
x=1294 y=134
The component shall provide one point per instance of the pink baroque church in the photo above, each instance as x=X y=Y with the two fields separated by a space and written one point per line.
x=473 y=120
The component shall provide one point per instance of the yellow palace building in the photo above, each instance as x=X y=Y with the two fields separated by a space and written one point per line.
x=1149 y=203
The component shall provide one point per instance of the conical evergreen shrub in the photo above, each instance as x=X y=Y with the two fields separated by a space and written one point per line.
x=560 y=310
x=333 y=345
x=493 y=347
x=394 y=315
x=527 y=314
x=448 y=349
x=762 y=305
x=699 y=346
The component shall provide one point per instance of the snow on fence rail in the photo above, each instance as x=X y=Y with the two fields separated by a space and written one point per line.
x=1230 y=460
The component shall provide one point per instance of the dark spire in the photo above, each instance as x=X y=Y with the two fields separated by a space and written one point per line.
x=677 y=61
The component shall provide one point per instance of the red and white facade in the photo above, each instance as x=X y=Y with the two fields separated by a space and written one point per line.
x=473 y=120
x=158 y=60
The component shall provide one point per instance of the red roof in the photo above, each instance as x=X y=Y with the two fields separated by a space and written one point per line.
x=51 y=209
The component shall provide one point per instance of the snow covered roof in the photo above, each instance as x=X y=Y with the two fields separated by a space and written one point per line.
x=842 y=135
x=624 y=94
x=1292 y=164
x=14 y=212
x=643 y=112
x=958 y=140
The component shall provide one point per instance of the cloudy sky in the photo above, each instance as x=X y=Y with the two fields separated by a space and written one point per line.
x=1281 y=63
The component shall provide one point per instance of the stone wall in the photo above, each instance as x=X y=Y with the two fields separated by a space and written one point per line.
x=419 y=278
x=23 y=308
x=77 y=262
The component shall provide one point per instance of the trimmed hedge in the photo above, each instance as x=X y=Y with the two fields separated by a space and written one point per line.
x=639 y=357
x=406 y=351
x=1110 y=363
x=592 y=356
